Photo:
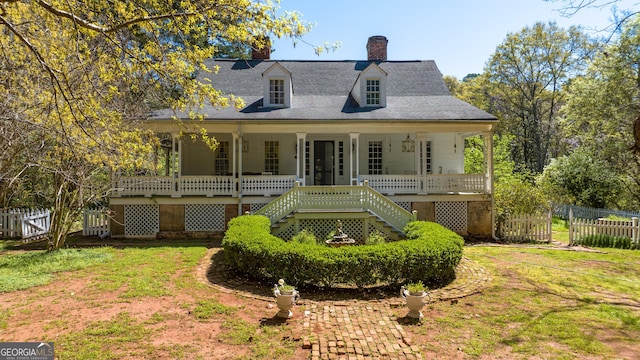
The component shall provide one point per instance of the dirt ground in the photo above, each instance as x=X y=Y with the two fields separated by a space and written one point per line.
x=69 y=304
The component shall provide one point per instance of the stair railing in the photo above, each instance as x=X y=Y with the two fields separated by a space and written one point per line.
x=337 y=198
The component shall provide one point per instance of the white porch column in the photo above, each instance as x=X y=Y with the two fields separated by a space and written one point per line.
x=239 y=179
x=488 y=161
x=421 y=161
x=234 y=160
x=176 y=146
x=354 y=157
x=300 y=157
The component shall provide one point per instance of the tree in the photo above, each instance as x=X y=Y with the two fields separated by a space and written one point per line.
x=581 y=179
x=77 y=76
x=514 y=192
x=527 y=74
x=602 y=111
x=572 y=7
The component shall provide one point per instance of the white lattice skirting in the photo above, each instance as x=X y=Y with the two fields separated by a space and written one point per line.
x=204 y=217
x=452 y=215
x=141 y=220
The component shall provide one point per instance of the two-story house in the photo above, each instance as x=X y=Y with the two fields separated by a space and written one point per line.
x=365 y=141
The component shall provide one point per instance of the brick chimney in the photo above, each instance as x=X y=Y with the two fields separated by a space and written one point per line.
x=377 y=48
x=263 y=53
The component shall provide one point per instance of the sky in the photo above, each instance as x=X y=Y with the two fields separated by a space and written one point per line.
x=460 y=35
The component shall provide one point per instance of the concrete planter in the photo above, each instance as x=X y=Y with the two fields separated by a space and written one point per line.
x=414 y=301
x=285 y=299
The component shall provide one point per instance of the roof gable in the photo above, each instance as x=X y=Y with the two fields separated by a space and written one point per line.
x=276 y=70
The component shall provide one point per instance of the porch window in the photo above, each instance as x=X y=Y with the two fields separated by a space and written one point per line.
x=375 y=157
x=221 y=164
x=373 y=92
x=276 y=91
x=428 y=159
x=341 y=158
x=306 y=158
x=271 y=154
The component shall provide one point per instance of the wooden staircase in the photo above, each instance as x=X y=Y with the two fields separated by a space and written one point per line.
x=330 y=203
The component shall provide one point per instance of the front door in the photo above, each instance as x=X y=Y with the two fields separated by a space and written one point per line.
x=323 y=171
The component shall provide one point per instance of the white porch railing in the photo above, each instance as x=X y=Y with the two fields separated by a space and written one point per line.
x=431 y=184
x=267 y=185
x=149 y=186
x=393 y=184
x=473 y=183
x=337 y=198
x=206 y=185
x=145 y=185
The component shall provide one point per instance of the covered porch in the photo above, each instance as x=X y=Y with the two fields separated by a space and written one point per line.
x=252 y=163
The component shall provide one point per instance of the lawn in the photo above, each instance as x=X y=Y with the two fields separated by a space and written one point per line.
x=153 y=302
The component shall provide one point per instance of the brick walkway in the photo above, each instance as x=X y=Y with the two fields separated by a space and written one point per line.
x=358 y=329
x=369 y=329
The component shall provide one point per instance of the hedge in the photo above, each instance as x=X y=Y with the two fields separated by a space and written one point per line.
x=430 y=253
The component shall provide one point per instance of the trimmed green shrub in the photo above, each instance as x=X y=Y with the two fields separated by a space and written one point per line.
x=429 y=254
x=375 y=238
x=608 y=241
x=304 y=237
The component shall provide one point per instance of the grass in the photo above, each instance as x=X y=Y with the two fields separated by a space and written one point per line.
x=542 y=303
x=148 y=272
x=100 y=339
x=265 y=342
x=29 y=269
x=206 y=309
x=563 y=304
x=560 y=230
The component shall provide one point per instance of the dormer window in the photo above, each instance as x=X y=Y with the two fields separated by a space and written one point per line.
x=277 y=86
x=276 y=91
x=370 y=88
x=373 y=91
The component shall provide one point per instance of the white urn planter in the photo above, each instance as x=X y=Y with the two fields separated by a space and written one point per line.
x=415 y=301
x=285 y=299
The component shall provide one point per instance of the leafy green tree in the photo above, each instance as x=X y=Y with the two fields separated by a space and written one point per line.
x=503 y=166
x=582 y=180
x=527 y=73
x=602 y=114
x=77 y=76
x=514 y=192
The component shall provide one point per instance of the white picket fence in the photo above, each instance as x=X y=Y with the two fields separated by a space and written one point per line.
x=24 y=223
x=95 y=222
x=580 y=228
x=527 y=228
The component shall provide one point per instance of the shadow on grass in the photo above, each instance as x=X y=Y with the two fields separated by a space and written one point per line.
x=77 y=240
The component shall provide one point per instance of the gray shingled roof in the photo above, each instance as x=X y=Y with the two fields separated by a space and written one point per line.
x=415 y=91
